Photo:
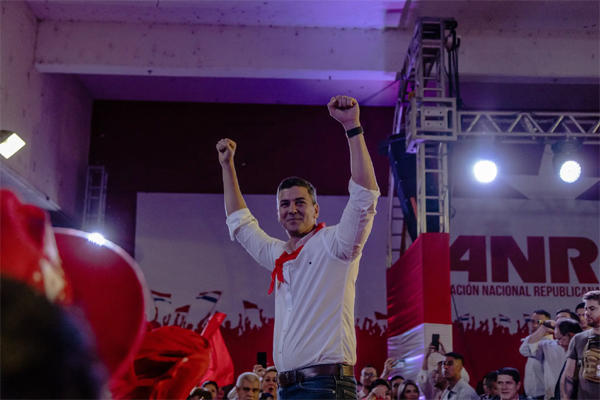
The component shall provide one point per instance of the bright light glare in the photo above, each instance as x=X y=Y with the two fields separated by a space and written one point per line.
x=11 y=145
x=485 y=171
x=96 y=238
x=570 y=171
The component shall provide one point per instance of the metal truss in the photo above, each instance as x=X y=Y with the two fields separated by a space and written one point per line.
x=525 y=126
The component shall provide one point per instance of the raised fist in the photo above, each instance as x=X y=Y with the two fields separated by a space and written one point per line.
x=345 y=110
x=226 y=149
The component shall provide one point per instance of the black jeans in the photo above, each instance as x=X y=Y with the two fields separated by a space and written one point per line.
x=326 y=387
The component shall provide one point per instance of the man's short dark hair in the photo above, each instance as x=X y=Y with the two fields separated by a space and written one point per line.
x=510 y=371
x=544 y=313
x=567 y=325
x=562 y=310
x=295 y=181
x=215 y=384
x=593 y=295
x=393 y=378
x=580 y=305
x=490 y=378
x=456 y=356
x=574 y=316
x=202 y=393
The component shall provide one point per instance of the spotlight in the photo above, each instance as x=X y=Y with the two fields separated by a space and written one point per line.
x=566 y=160
x=485 y=171
x=10 y=143
x=96 y=238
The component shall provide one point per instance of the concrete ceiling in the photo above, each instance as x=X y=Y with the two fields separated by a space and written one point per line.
x=525 y=26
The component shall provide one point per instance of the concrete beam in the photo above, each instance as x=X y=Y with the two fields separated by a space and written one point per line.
x=299 y=53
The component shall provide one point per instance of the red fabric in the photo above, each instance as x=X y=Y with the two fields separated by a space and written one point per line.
x=277 y=273
x=418 y=285
x=27 y=244
x=108 y=285
x=169 y=363
x=220 y=368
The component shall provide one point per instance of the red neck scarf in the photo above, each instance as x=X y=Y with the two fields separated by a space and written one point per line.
x=277 y=273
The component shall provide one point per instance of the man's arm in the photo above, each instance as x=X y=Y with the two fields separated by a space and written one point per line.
x=542 y=331
x=231 y=188
x=345 y=110
x=566 y=382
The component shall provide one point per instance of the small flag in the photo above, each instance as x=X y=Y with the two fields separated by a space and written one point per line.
x=213 y=297
x=183 y=309
x=248 y=305
x=464 y=318
x=380 y=316
x=166 y=297
x=503 y=318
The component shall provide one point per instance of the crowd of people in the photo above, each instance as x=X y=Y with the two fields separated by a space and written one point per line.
x=553 y=346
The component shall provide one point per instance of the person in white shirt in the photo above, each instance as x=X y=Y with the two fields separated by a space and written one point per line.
x=457 y=388
x=314 y=272
x=533 y=382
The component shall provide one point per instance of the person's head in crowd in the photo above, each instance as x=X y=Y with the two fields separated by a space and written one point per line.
x=563 y=313
x=380 y=389
x=580 y=311
x=212 y=387
x=247 y=386
x=490 y=387
x=367 y=377
x=47 y=352
x=453 y=365
x=592 y=308
x=395 y=382
x=538 y=315
x=409 y=390
x=564 y=330
x=438 y=377
x=201 y=394
x=509 y=382
x=269 y=382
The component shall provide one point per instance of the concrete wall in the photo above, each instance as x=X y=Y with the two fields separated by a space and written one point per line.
x=51 y=112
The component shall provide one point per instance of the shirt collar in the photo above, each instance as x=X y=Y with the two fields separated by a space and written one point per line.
x=289 y=248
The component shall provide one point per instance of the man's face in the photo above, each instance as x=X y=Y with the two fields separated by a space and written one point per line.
x=582 y=321
x=296 y=212
x=395 y=385
x=508 y=387
x=249 y=390
x=534 y=321
x=562 y=340
x=452 y=368
x=367 y=376
x=562 y=315
x=592 y=313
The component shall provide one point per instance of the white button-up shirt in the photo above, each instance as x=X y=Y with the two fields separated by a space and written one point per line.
x=553 y=357
x=461 y=391
x=533 y=382
x=314 y=307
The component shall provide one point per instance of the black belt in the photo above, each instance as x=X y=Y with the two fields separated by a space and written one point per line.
x=288 y=378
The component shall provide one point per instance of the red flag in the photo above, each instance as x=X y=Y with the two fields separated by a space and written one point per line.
x=220 y=368
x=248 y=305
x=183 y=309
x=379 y=316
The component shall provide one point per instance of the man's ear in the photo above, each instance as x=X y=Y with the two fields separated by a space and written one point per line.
x=519 y=385
x=316 y=210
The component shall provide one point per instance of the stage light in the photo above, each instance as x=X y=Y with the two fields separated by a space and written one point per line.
x=10 y=143
x=566 y=160
x=96 y=238
x=485 y=171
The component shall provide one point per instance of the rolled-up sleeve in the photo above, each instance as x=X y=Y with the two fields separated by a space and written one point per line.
x=356 y=223
x=262 y=247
